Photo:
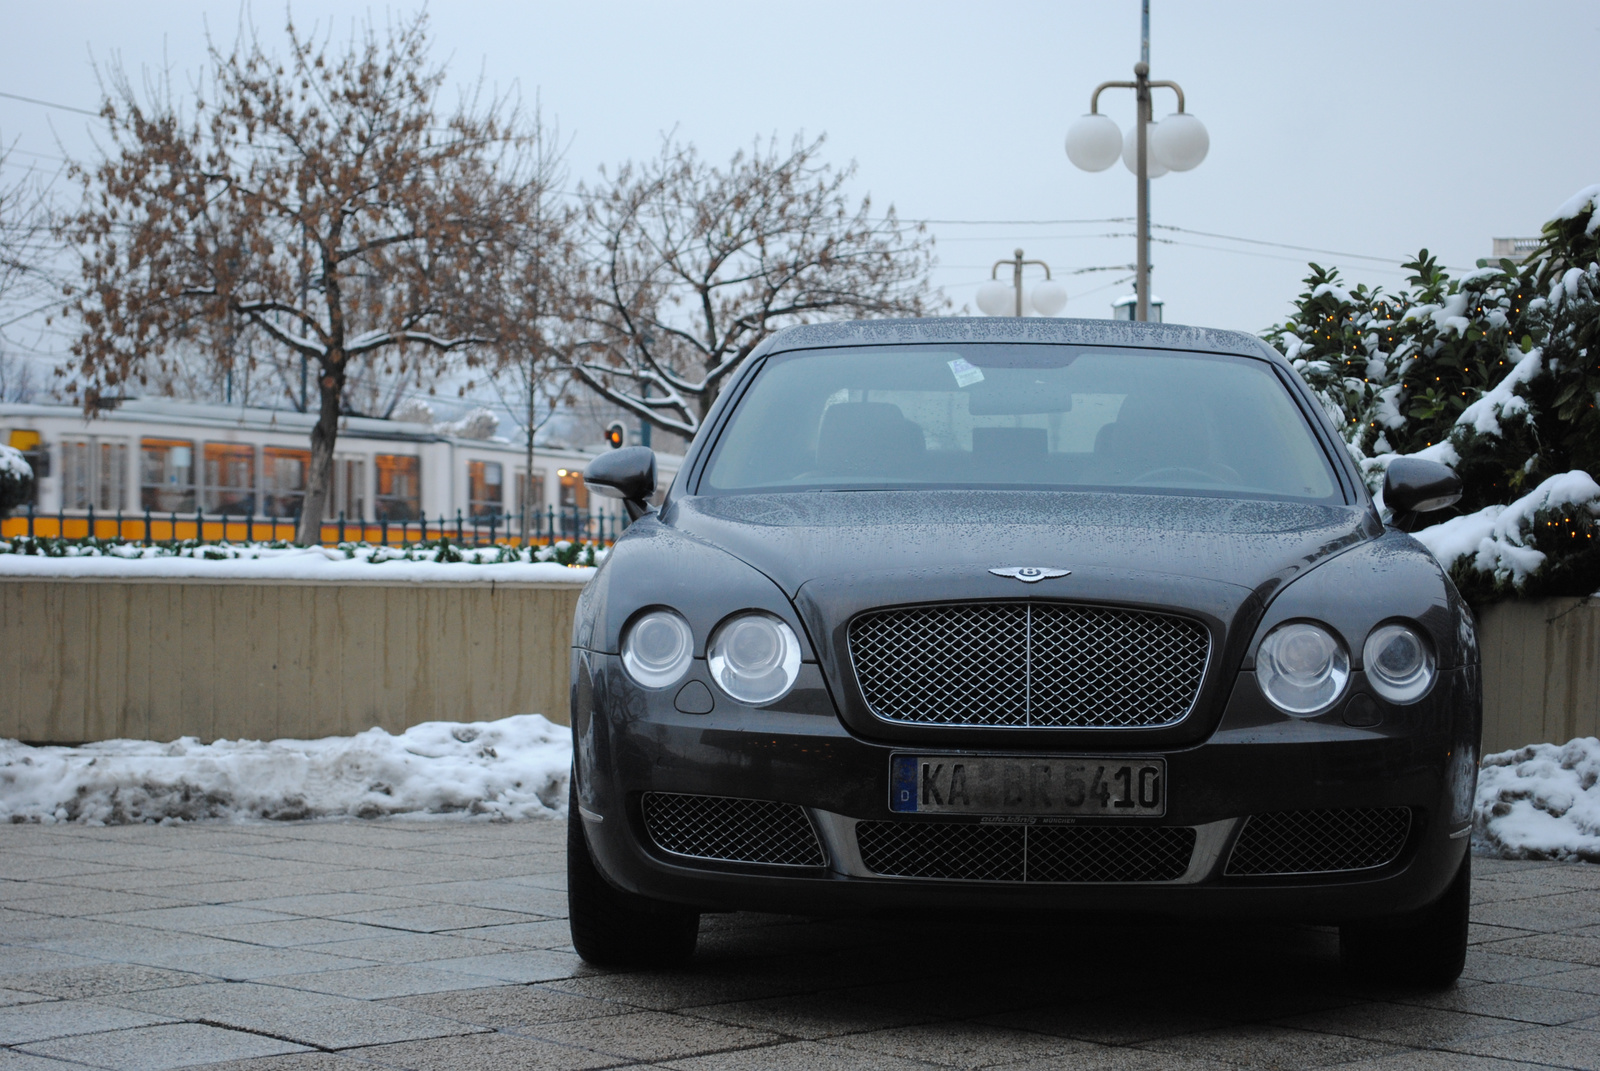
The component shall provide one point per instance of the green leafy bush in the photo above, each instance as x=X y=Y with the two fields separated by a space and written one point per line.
x=1495 y=373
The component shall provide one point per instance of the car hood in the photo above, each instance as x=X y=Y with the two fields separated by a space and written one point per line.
x=833 y=537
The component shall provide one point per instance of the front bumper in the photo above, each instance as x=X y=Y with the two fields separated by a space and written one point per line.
x=629 y=742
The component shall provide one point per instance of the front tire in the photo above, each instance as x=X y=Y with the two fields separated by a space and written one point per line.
x=1426 y=949
x=612 y=928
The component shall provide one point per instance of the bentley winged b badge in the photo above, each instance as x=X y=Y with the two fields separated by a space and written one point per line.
x=1030 y=574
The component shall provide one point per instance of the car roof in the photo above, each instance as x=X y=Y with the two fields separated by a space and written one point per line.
x=948 y=330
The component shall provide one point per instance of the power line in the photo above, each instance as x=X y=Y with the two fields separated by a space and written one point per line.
x=50 y=104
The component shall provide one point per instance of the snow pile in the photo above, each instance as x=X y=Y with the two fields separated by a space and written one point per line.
x=1497 y=538
x=480 y=423
x=564 y=562
x=512 y=768
x=1541 y=802
x=13 y=464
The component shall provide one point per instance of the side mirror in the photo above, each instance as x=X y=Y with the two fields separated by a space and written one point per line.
x=1413 y=485
x=628 y=474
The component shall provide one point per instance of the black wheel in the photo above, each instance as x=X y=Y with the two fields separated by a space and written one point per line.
x=612 y=928
x=1426 y=948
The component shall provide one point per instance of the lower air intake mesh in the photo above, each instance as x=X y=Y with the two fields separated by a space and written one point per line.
x=974 y=852
x=731 y=830
x=1316 y=842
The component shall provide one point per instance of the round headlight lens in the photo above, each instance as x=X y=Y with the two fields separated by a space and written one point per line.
x=657 y=648
x=1399 y=663
x=1302 y=668
x=754 y=657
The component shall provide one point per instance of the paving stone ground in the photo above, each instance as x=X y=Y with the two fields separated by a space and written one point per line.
x=337 y=946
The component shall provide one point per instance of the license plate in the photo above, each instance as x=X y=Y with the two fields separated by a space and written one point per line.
x=1106 y=787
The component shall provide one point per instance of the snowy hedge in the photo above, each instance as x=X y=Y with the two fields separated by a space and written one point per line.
x=1496 y=374
x=16 y=479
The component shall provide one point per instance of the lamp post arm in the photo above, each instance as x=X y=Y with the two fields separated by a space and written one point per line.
x=1175 y=87
x=1094 y=98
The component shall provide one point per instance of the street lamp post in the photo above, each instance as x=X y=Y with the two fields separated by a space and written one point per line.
x=1048 y=298
x=1177 y=143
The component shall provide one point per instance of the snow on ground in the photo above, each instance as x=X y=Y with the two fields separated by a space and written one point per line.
x=260 y=561
x=1538 y=802
x=512 y=768
x=1541 y=802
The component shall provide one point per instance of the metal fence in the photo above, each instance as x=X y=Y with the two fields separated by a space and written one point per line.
x=479 y=529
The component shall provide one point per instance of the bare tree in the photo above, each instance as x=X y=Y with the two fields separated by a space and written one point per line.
x=693 y=265
x=28 y=257
x=531 y=372
x=317 y=200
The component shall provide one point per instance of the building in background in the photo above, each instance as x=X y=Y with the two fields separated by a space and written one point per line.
x=170 y=457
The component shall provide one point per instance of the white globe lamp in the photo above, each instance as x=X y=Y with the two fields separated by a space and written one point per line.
x=1048 y=298
x=1094 y=142
x=1179 y=142
x=997 y=299
x=1130 y=152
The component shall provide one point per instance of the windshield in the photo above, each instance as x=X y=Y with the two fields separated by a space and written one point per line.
x=1019 y=416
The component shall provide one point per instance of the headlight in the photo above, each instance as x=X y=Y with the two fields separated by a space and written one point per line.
x=754 y=657
x=1399 y=663
x=657 y=648
x=1302 y=668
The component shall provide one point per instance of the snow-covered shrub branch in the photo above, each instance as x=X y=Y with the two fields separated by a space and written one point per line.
x=1496 y=374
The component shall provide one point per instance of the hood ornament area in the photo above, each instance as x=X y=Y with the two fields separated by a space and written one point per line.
x=1030 y=574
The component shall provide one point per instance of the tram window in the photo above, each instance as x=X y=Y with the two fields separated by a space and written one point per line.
x=166 y=475
x=36 y=454
x=284 y=473
x=77 y=476
x=534 y=504
x=112 y=477
x=485 y=489
x=230 y=478
x=348 y=491
x=399 y=496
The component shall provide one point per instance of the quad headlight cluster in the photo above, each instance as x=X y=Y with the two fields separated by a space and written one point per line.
x=753 y=656
x=1303 y=667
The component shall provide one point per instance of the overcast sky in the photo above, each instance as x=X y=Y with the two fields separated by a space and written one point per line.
x=1370 y=128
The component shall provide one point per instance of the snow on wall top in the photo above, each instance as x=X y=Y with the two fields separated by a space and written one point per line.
x=370 y=565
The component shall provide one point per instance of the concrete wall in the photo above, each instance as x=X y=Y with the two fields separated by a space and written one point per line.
x=1541 y=672
x=93 y=660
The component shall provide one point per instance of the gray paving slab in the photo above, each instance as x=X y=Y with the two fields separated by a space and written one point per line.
x=318 y=1019
x=100 y=979
x=158 y=1048
x=649 y=1035
x=61 y=1018
x=484 y=1052
x=429 y=944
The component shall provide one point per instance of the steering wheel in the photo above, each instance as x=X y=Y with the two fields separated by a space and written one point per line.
x=1169 y=471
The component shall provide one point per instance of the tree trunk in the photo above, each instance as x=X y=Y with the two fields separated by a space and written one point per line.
x=330 y=387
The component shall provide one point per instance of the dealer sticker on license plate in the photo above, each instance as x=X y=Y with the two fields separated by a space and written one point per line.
x=1104 y=787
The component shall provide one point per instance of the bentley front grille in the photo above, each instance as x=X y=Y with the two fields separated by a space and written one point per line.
x=1318 y=842
x=968 y=851
x=731 y=830
x=1029 y=664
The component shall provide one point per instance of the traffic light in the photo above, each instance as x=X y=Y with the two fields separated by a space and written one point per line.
x=616 y=434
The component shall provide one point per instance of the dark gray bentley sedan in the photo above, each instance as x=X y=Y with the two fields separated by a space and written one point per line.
x=1034 y=615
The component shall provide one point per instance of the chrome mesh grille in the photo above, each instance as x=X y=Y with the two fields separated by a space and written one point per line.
x=1028 y=664
x=975 y=852
x=1316 y=842
x=731 y=830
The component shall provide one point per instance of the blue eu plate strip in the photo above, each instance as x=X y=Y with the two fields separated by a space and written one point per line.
x=903 y=783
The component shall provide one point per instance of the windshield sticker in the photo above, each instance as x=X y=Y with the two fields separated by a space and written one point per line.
x=966 y=374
